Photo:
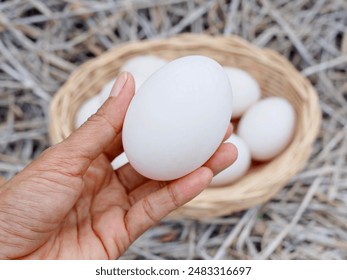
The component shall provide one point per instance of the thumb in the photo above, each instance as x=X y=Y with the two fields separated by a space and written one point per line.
x=36 y=200
x=99 y=132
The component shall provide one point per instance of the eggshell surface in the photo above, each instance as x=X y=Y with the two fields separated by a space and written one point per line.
x=238 y=168
x=246 y=90
x=267 y=127
x=142 y=67
x=119 y=161
x=178 y=118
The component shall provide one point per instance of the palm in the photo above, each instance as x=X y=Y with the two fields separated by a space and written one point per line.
x=89 y=229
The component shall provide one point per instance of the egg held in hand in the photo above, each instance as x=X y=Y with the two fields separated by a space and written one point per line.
x=267 y=127
x=178 y=118
x=238 y=168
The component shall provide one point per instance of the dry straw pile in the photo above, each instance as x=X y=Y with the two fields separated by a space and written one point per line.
x=42 y=42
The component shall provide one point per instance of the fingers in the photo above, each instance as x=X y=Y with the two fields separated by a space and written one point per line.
x=153 y=200
x=225 y=155
x=149 y=210
x=115 y=148
x=129 y=177
x=146 y=189
x=222 y=158
x=101 y=133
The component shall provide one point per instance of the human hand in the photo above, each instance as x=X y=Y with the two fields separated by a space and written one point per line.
x=70 y=204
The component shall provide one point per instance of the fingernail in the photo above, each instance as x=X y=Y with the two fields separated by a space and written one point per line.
x=118 y=86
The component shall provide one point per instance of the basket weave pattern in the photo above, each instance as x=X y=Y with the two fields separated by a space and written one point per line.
x=276 y=77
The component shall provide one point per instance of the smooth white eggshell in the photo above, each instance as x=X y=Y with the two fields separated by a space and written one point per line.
x=178 y=118
x=142 y=67
x=120 y=161
x=246 y=90
x=238 y=168
x=267 y=127
x=88 y=108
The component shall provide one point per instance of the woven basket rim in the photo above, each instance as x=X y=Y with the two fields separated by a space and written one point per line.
x=246 y=192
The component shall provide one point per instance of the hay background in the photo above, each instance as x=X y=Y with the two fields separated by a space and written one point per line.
x=42 y=42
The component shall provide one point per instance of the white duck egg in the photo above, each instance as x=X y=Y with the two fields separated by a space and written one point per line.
x=267 y=127
x=120 y=161
x=238 y=168
x=246 y=90
x=142 y=67
x=178 y=118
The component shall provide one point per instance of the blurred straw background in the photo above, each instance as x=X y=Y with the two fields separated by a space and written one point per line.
x=42 y=42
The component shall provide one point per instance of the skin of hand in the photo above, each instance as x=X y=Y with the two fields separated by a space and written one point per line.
x=70 y=204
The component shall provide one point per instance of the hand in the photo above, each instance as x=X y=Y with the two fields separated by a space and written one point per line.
x=71 y=204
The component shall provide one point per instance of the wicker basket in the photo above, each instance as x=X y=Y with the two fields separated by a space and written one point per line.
x=276 y=76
